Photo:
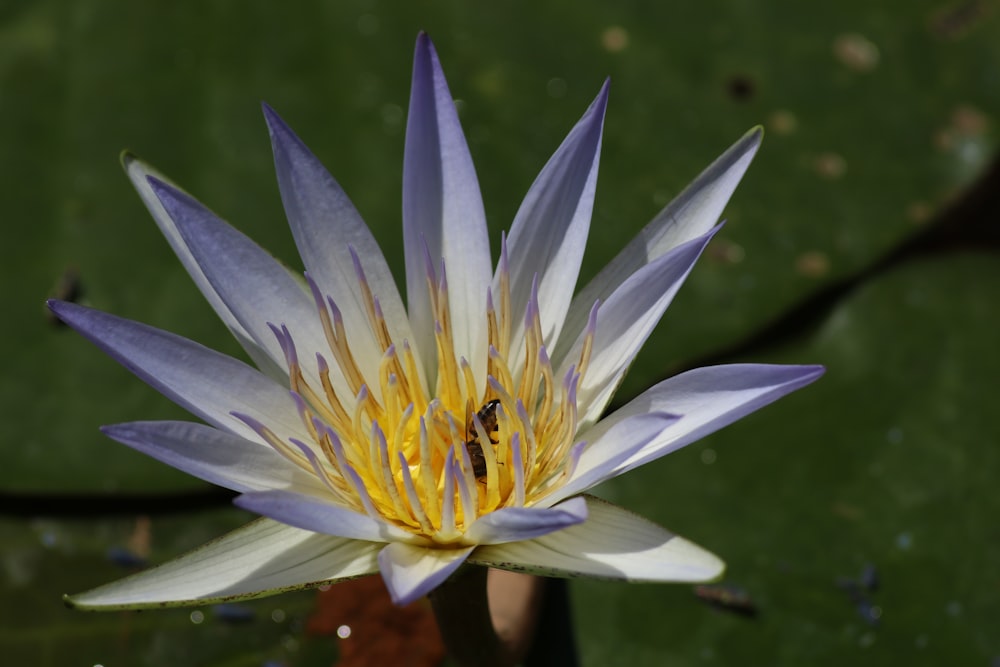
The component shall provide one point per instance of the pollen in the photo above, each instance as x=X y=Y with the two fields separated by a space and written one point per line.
x=431 y=456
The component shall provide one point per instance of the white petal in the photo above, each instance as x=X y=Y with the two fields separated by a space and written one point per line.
x=410 y=572
x=606 y=450
x=326 y=225
x=612 y=543
x=443 y=212
x=513 y=524
x=624 y=323
x=213 y=455
x=692 y=214
x=139 y=173
x=257 y=289
x=259 y=559
x=319 y=515
x=707 y=399
x=205 y=382
x=550 y=230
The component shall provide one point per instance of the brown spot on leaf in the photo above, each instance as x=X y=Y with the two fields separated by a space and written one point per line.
x=782 y=122
x=722 y=250
x=830 y=166
x=958 y=18
x=856 y=52
x=614 y=39
x=740 y=87
x=813 y=264
x=919 y=212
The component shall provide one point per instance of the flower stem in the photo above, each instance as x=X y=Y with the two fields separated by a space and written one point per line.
x=487 y=617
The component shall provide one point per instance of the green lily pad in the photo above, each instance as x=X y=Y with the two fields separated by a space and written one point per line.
x=860 y=150
x=876 y=116
x=888 y=462
x=43 y=559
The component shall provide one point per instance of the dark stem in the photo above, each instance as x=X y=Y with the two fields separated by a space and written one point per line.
x=487 y=617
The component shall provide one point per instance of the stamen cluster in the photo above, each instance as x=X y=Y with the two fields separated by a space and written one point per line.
x=433 y=463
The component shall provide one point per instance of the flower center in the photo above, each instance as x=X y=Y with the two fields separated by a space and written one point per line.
x=432 y=463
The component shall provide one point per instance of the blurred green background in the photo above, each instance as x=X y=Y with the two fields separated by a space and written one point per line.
x=881 y=118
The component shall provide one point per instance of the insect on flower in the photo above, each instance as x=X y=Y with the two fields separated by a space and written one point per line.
x=354 y=438
x=487 y=417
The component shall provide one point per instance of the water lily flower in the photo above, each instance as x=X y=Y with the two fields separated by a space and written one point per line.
x=462 y=427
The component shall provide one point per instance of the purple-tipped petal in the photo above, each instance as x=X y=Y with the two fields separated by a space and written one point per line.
x=326 y=226
x=411 y=572
x=606 y=450
x=262 y=558
x=256 y=287
x=708 y=399
x=207 y=383
x=611 y=544
x=692 y=214
x=139 y=173
x=213 y=455
x=319 y=515
x=513 y=524
x=550 y=230
x=626 y=320
x=443 y=211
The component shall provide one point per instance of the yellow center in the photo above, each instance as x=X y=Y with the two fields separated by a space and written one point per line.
x=433 y=464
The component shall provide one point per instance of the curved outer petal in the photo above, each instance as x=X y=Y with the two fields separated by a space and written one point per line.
x=625 y=321
x=326 y=226
x=606 y=449
x=443 y=212
x=207 y=383
x=255 y=287
x=513 y=524
x=212 y=455
x=139 y=173
x=550 y=229
x=259 y=559
x=320 y=515
x=708 y=398
x=410 y=572
x=613 y=544
x=691 y=214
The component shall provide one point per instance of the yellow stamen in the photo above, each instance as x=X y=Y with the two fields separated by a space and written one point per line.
x=433 y=462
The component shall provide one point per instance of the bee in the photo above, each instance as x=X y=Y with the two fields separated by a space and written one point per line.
x=488 y=418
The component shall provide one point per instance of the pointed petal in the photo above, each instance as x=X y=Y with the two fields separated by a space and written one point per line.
x=410 y=572
x=606 y=450
x=139 y=173
x=259 y=559
x=691 y=215
x=207 y=383
x=550 y=230
x=256 y=288
x=213 y=455
x=625 y=321
x=326 y=226
x=612 y=543
x=708 y=399
x=443 y=212
x=319 y=515
x=513 y=524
